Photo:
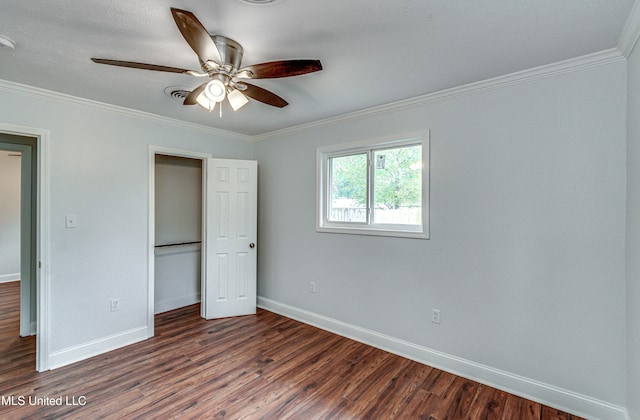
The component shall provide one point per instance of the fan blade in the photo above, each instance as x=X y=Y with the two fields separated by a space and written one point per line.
x=143 y=66
x=192 y=98
x=263 y=95
x=196 y=35
x=285 y=68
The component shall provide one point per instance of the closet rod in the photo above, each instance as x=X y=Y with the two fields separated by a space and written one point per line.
x=178 y=244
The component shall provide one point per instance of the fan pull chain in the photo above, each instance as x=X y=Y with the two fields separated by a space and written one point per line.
x=220 y=109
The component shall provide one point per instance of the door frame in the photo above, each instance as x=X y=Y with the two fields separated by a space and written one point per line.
x=42 y=237
x=153 y=151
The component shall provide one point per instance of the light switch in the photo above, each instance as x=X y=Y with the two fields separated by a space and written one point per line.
x=71 y=221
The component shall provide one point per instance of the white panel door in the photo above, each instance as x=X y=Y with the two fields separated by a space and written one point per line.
x=229 y=284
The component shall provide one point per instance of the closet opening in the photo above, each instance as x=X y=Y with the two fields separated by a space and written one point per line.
x=178 y=232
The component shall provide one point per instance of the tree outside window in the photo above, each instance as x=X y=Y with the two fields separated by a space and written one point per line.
x=397 y=186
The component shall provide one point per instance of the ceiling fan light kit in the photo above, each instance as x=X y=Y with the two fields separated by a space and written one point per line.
x=237 y=99
x=215 y=90
x=220 y=60
x=214 y=93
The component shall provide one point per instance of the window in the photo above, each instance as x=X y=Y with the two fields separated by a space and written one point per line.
x=375 y=189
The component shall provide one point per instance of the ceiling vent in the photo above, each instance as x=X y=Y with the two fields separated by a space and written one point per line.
x=177 y=92
x=7 y=43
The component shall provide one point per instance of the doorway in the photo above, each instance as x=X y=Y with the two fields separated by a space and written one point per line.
x=178 y=232
x=22 y=156
x=19 y=167
x=168 y=154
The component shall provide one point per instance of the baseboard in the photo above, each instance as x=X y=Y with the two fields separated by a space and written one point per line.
x=33 y=329
x=93 y=348
x=6 y=278
x=171 y=304
x=546 y=394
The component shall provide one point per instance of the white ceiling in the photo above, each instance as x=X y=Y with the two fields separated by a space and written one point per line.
x=374 y=52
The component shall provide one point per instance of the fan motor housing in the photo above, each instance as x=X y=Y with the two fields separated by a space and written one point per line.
x=230 y=51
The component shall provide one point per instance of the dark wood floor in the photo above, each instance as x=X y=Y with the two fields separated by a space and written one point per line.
x=264 y=366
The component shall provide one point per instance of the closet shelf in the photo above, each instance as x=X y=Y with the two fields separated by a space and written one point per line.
x=178 y=244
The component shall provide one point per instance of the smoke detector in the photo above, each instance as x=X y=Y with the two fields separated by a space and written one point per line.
x=258 y=1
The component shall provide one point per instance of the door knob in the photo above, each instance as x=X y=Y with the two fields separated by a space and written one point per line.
x=252 y=245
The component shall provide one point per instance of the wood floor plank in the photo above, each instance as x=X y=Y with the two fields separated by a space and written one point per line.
x=548 y=413
x=256 y=367
x=520 y=408
x=488 y=404
x=422 y=404
x=368 y=398
x=438 y=381
x=327 y=387
x=455 y=403
x=396 y=398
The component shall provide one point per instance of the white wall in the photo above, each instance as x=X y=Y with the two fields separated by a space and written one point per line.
x=177 y=277
x=526 y=256
x=178 y=219
x=9 y=217
x=633 y=236
x=99 y=171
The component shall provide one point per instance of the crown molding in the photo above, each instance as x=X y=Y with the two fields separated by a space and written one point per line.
x=33 y=91
x=631 y=31
x=550 y=70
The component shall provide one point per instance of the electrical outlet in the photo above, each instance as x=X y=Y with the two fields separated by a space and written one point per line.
x=312 y=286
x=435 y=316
x=115 y=304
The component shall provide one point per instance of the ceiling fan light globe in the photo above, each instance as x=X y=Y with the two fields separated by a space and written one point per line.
x=215 y=90
x=204 y=102
x=236 y=99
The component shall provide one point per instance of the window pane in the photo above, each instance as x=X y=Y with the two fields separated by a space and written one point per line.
x=397 y=194
x=348 y=196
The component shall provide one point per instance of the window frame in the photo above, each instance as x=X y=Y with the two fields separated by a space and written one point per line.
x=323 y=187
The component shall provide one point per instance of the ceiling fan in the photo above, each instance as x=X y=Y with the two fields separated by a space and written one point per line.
x=220 y=59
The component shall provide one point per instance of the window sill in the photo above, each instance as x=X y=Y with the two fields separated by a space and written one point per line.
x=370 y=231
